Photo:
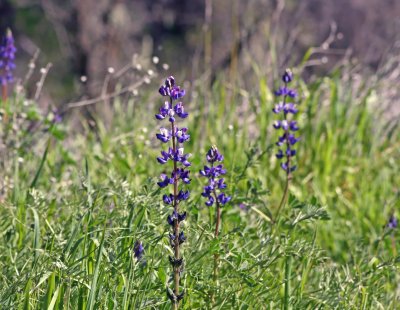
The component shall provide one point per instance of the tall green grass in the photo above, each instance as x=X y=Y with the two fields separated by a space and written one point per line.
x=80 y=200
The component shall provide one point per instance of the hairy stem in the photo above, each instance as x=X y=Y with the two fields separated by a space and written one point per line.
x=284 y=196
x=216 y=233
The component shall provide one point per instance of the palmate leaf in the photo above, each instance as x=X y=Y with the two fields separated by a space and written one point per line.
x=308 y=211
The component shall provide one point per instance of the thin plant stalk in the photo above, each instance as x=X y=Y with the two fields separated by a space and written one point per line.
x=214 y=192
x=178 y=136
x=216 y=234
x=4 y=93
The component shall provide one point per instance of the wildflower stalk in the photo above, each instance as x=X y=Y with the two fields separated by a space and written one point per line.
x=211 y=190
x=287 y=138
x=216 y=233
x=178 y=136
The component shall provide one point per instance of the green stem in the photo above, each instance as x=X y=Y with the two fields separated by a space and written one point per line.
x=285 y=193
x=216 y=233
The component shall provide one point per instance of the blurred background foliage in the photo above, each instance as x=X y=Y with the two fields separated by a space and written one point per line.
x=85 y=38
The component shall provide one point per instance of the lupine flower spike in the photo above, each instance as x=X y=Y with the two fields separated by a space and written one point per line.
x=175 y=137
x=213 y=191
x=7 y=64
x=287 y=108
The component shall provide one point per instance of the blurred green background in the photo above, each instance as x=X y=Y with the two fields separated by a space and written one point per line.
x=85 y=38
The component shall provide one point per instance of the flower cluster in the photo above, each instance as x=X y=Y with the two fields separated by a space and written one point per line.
x=213 y=190
x=7 y=57
x=288 y=139
x=175 y=136
x=392 y=222
x=138 y=250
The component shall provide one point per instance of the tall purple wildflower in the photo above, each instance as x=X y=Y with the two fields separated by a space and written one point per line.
x=287 y=108
x=7 y=64
x=213 y=191
x=175 y=136
x=288 y=139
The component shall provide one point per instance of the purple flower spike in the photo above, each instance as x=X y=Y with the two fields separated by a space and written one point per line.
x=213 y=190
x=7 y=59
x=176 y=137
x=288 y=125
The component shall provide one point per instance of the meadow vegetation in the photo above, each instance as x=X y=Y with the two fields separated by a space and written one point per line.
x=75 y=199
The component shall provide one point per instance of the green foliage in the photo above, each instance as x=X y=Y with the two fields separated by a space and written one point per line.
x=73 y=205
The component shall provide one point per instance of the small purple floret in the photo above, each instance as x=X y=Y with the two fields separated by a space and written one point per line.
x=392 y=223
x=138 y=250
